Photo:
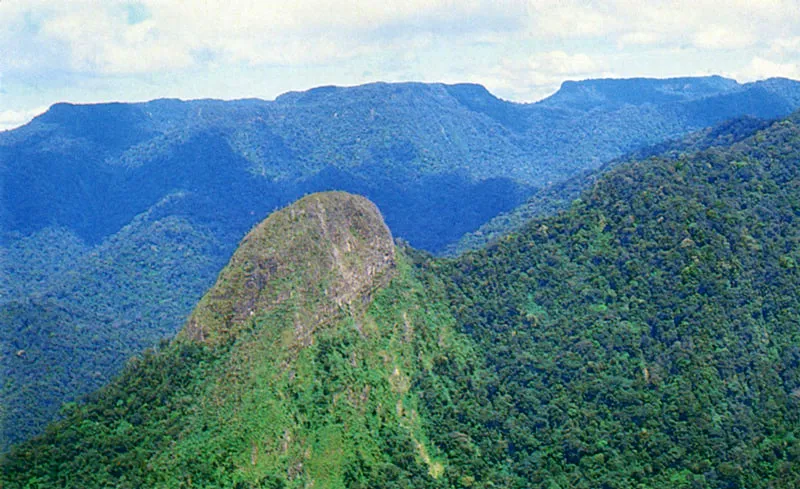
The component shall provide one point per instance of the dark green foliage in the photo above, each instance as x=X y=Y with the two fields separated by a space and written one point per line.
x=82 y=319
x=344 y=410
x=114 y=434
x=648 y=336
x=114 y=218
x=549 y=200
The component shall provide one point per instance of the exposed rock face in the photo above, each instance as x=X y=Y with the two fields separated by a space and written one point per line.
x=326 y=253
x=301 y=367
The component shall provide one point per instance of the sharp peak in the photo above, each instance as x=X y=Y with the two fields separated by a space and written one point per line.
x=325 y=253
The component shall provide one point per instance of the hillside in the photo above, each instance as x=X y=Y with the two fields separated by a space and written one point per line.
x=93 y=168
x=71 y=328
x=115 y=218
x=646 y=337
x=557 y=197
x=303 y=365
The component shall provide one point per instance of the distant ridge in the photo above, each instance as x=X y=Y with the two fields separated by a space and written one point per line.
x=646 y=337
x=413 y=148
x=615 y=92
x=148 y=201
x=304 y=365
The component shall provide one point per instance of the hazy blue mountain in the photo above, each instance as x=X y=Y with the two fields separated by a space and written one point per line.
x=616 y=93
x=105 y=207
x=546 y=201
x=92 y=168
x=645 y=338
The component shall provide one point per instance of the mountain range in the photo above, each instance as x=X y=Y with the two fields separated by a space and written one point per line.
x=116 y=218
x=647 y=336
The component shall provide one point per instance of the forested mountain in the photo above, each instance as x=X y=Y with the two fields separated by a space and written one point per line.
x=302 y=365
x=549 y=200
x=414 y=148
x=646 y=337
x=114 y=218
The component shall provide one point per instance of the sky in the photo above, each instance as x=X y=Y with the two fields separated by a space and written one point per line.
x=85 y=51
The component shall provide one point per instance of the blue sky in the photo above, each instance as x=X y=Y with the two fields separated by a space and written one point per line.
x=95 y=50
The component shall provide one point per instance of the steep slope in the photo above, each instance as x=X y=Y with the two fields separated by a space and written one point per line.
x=78 y=325
x=645 y=338
x=552 y=199
x=151 y=199
x=648 y=336
x=333 y=243
x=93 y=168
x=303 y=365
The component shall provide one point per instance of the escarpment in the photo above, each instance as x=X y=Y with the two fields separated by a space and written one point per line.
x=326 y=253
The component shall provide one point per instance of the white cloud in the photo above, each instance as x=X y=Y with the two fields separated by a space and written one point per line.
x=541 y=74
x=786 y=46
x=760 y=68
x=174 y=35
x=561 y=64
x=10 y=119
x=705 y=24
x=196 y=45
x=105 y=43
x=719 y=37
x=640 y=38
x=571 y=19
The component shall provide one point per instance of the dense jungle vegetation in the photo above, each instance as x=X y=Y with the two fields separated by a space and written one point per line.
x=115 y=218
x=646 y=337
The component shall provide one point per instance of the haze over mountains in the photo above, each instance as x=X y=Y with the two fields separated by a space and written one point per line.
x=549 y=200
x=117 y=217
x=645 y=338
x=415 y=149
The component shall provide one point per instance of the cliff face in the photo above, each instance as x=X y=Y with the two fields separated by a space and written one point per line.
x=149 y=200
x=647 y=337
x=308 y=363
x=323 y=255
